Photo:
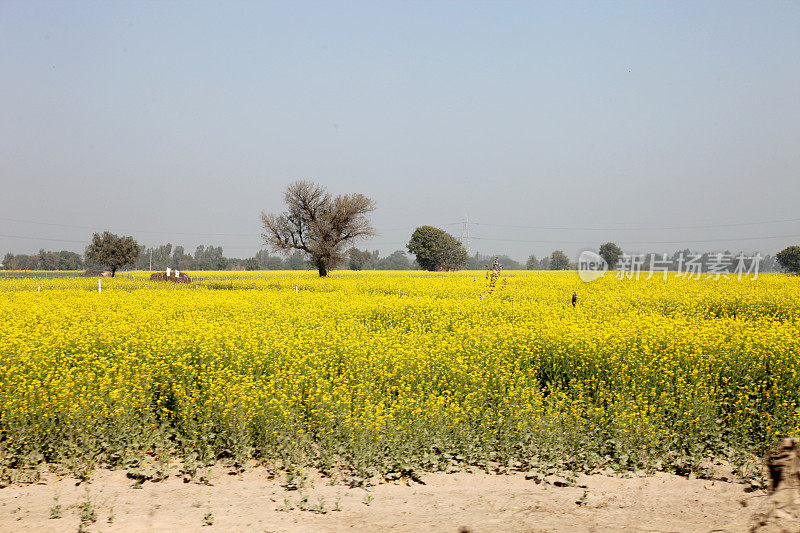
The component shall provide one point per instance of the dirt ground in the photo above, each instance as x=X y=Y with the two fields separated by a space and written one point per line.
x=474 y=502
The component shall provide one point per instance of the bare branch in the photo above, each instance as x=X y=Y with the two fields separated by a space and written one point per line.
x=318 y=224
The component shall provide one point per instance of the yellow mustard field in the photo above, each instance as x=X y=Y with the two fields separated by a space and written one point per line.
x=377 y=370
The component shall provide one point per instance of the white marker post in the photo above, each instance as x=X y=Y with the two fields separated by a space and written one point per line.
x=99 y=285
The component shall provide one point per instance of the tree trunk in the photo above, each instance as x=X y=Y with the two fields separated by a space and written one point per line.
x=113 y=271
x=323 y=270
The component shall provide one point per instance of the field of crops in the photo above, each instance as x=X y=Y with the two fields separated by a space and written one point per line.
x=383 y=371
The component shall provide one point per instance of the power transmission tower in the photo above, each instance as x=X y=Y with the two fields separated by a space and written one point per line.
x=465 y=239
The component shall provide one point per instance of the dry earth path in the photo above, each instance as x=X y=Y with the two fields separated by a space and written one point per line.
x=475 y=502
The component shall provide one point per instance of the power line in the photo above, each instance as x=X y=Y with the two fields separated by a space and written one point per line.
x=642 y=228
x=34 y=238
x=45 y=223
x=73 y=226
x=465 y=233
x=40 y=238
x=644 y=242
x=191 y=234
x=86 y=241
x=460 y=223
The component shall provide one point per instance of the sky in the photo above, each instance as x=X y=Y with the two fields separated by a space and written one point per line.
x=547 y=125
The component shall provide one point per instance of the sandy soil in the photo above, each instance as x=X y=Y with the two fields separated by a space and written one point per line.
x=251 y=501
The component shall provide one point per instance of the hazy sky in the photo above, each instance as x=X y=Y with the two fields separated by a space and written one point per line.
x=551 y=125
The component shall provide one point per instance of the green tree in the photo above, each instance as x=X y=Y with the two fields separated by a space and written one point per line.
x=358 y=258
x=69 y=260
x=251 y=263
x=559 y=261
x=789 y=259
x=181 y=260
x=611 y=253
x=47 y=260
x=508 y=263
x=10 y=262
x=209 y=258
x=396 y=260
x=161 y=257
x=268 y=262
x=435 y=249
x=318 y=224
x=532 y=263
x=112 y=251
x=295 y=261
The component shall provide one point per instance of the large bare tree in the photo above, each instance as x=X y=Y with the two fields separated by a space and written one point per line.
x=318 y=224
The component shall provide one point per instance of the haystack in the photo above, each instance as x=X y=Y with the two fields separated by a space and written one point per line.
x=163 y=276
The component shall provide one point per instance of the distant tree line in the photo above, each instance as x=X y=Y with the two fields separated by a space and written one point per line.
x=210 y=257
x=482 y=262
x=366 y=260
x=318 y=229
x=558 y=260
x=45 y=260
x=166 y=256
x=204 y=258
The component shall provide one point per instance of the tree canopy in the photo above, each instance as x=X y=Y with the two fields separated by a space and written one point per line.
x=789 y=259
x=112 y=251
x=435 y=249
x=559 y=261
x=611 y=253
x=318 y=224
x=359 y=258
